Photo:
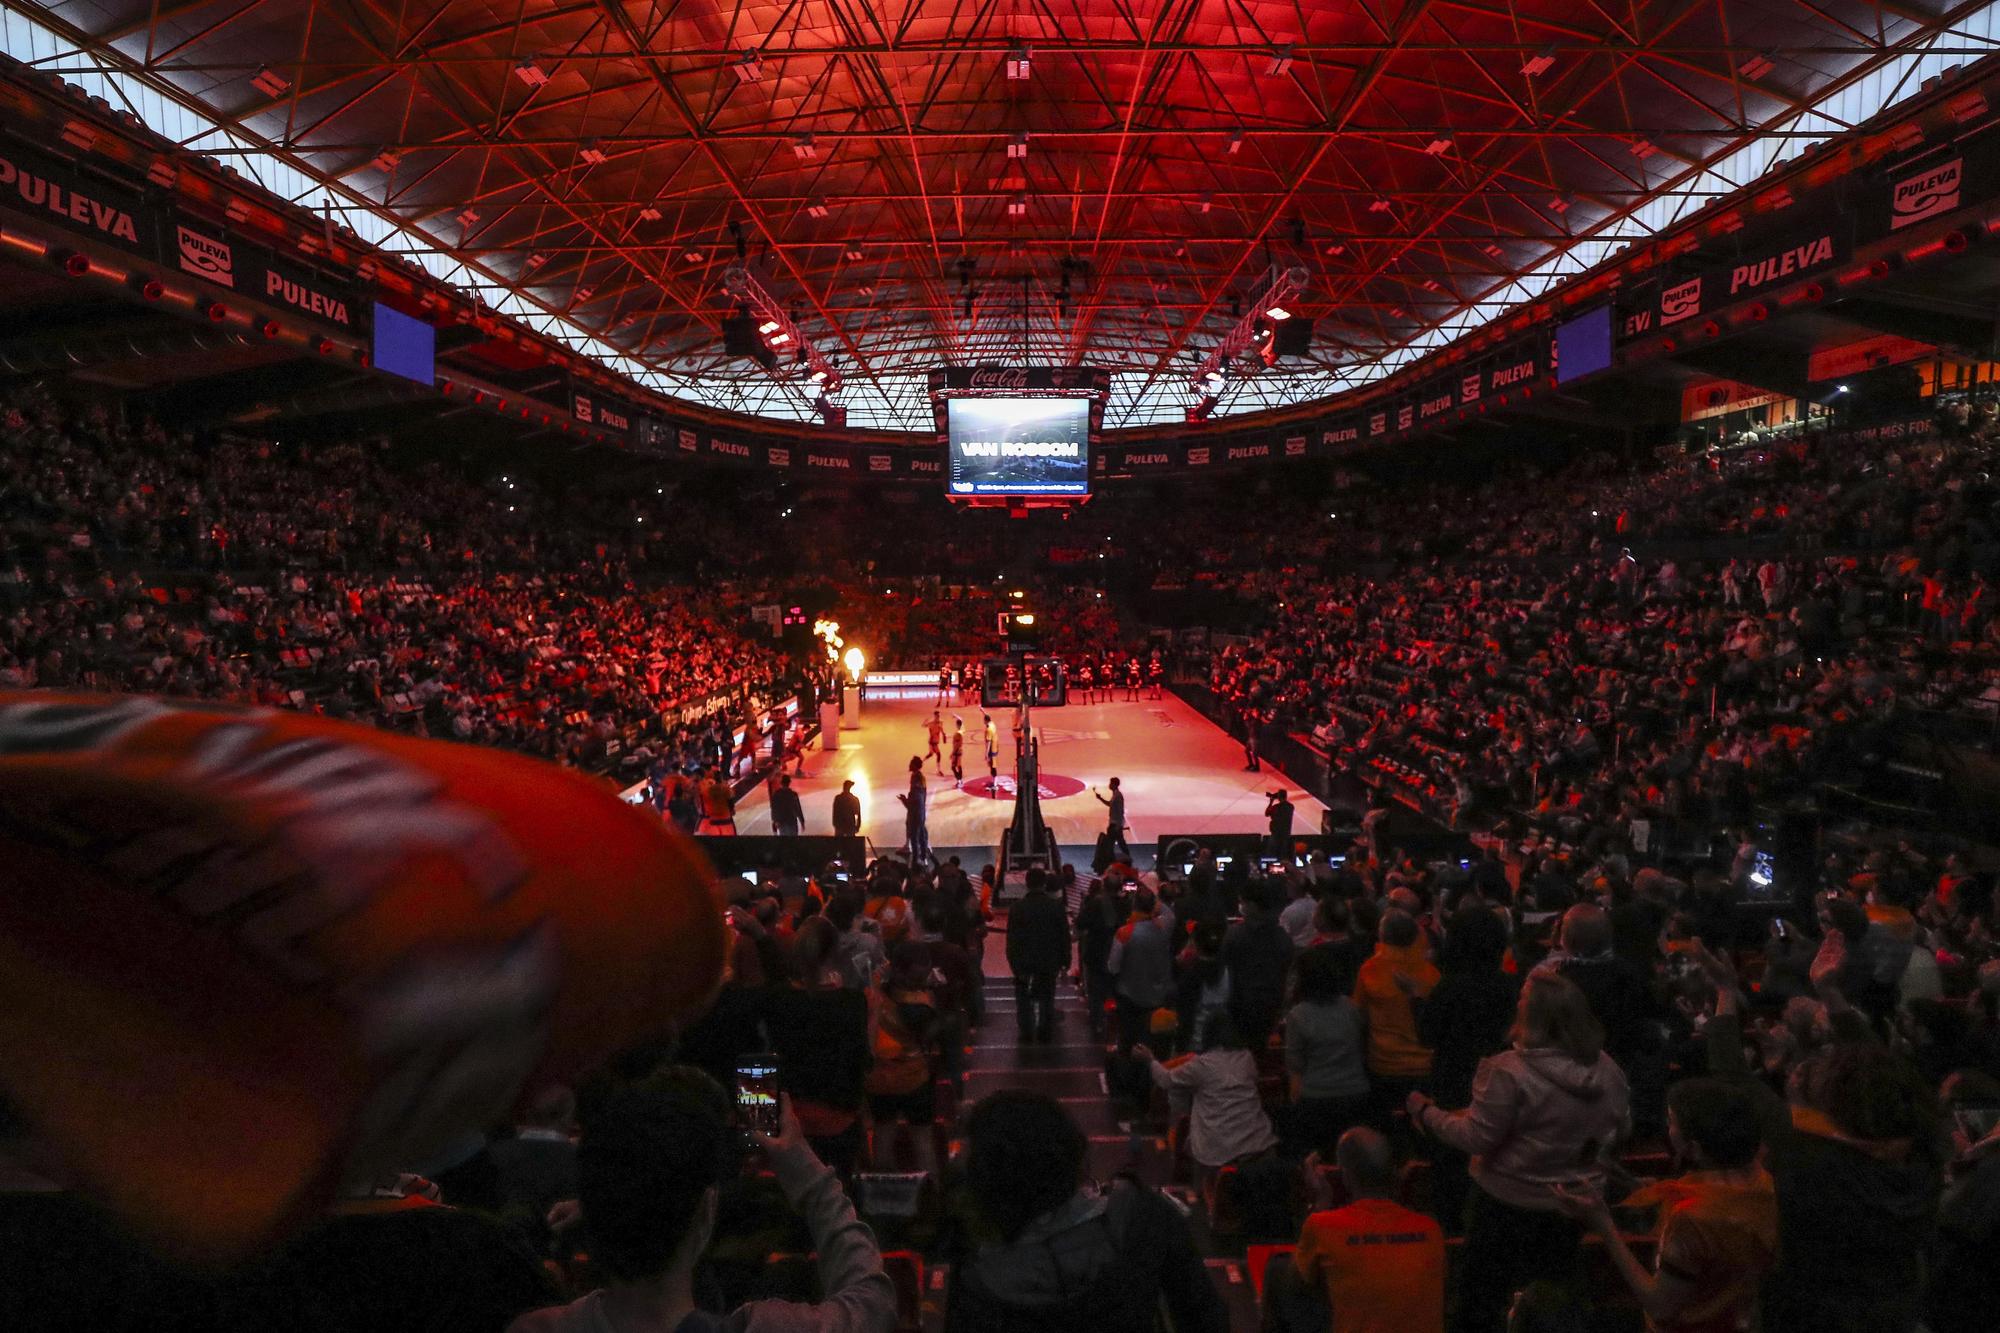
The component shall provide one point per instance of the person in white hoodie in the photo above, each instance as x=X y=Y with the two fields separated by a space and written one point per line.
x=1547 y=1113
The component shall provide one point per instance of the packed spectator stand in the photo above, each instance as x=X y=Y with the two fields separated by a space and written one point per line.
x=1572 y=1083
x=319 y=578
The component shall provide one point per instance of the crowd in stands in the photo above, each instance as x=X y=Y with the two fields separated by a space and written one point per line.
x=1599 y=687
x=1519 y=1057
x=321 y=578
x=1562 y=1084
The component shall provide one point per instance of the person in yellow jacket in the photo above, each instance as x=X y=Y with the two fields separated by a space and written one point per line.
x=1398 y=1062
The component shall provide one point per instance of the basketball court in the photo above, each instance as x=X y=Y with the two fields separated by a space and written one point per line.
x=1180 y=773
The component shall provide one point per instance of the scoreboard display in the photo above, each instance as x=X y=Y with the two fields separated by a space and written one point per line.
x=1017 y=447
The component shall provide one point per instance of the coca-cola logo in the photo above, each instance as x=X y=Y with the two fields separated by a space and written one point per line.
x=1295 y=446
x=879 y=463
x=999 y=379
x=1198 y=457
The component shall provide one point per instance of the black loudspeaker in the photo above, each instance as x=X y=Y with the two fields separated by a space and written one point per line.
x=1795 y=855
x=740 y=338
x=1292 y=337
x=805 y=855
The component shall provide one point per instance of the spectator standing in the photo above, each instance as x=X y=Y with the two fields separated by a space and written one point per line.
x=1040 y=1249
x=1325 y=1054
x=1299 y=919
x=904 y=1021
x=1718 y=1231
x=1037 y=949
x=1227 y=1125
x=1258 y=954
x=1464 y=1019
x=1858 y=1180
x=652 y=1162
x=1616 y=988
x=1550 y=1111
x=1142 y=959
x=718 y=806
x=858 y=949
x=1398 y=1061
x=818 y=1026
x=1097 y=925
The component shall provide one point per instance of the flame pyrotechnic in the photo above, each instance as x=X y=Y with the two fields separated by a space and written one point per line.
x=828 y=633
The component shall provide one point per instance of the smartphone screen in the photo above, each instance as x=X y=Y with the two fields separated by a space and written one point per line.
x=757 y=1094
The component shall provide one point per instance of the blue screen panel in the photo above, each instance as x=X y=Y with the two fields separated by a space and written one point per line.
x=1583 y=345
x=405 y=346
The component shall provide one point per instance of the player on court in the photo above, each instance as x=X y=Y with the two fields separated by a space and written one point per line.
x=992 y=756
x=957 y=751
x=935 y=730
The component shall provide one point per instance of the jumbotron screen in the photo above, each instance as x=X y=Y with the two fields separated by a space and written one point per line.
x=1019 y=446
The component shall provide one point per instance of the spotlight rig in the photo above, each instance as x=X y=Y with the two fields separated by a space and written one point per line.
x=785 y=339
x=1206 y=385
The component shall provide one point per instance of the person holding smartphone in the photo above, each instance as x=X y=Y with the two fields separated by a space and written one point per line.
x=651 y=1164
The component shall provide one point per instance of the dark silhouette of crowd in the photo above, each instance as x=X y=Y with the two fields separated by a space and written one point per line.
x=321 y=578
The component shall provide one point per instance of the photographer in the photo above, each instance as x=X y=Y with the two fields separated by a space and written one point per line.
x=650 y=1167
x=1279 y=812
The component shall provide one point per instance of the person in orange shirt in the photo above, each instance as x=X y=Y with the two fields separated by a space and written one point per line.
x=890 y=911
x=1718 y=1223
x=1378 y=1265
x=1398 y=1061
x=718 y=806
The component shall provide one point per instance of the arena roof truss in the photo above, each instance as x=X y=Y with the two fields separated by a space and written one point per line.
x=967 y=180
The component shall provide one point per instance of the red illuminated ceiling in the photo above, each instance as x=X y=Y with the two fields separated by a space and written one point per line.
x=1114 y=207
